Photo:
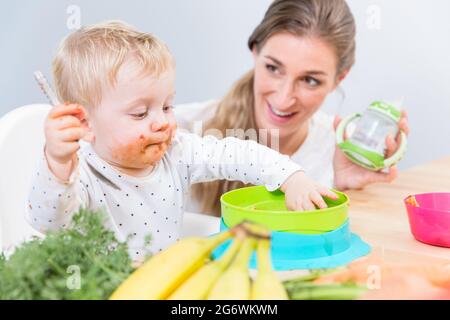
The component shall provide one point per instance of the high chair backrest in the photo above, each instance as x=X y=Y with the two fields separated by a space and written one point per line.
x=21 y=142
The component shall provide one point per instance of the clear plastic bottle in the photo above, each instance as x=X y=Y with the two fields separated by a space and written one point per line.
x=372 y=128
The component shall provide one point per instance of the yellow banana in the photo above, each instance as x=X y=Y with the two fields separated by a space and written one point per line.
x=200 y=283
x=234 y=284
x=258 y=231
x=163 y=273
x=266 y=286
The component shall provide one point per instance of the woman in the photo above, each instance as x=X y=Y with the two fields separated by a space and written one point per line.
x=302 y=51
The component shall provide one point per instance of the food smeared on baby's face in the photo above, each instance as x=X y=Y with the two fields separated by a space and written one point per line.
x=145 y=150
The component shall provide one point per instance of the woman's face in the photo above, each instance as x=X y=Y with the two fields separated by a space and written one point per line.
x=293 y=75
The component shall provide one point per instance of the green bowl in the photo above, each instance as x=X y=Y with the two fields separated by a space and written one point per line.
x=268 y=208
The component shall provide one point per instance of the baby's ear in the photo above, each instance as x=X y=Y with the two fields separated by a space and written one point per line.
x=89 y=136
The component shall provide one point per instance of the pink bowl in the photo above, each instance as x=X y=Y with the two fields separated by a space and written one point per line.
x=430 y=221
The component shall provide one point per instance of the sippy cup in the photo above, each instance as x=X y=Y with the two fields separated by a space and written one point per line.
x=367 y=144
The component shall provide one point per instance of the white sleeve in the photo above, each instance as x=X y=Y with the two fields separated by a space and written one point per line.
x=316 y=154
x=193 y=116
x=208 y=158
x=52 y=202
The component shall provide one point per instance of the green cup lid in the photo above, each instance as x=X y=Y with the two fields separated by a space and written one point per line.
x=387 y=109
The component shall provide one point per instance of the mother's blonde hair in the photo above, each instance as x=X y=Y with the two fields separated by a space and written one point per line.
x=329 y=20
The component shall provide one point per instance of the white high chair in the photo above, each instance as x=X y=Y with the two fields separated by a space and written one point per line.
x=21 y=141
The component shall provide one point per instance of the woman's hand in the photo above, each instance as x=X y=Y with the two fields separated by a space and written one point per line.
x=302 y=193
x=348 y=175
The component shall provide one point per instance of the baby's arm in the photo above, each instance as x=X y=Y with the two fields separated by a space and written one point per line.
x=56 y=192
x=51 y=201
x=250 y=162
x=209 y=158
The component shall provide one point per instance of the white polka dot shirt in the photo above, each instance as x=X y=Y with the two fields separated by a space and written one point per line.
x=138 y=207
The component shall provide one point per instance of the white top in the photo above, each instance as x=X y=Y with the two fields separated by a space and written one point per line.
x=315 y=155
x=151 y=205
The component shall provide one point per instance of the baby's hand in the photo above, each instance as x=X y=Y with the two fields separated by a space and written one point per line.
x=302 y=193
x=63 y=130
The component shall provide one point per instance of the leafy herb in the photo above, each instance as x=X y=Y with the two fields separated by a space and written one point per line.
x=83 y=262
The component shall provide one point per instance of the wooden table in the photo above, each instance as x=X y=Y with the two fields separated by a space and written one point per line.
x=378 y=214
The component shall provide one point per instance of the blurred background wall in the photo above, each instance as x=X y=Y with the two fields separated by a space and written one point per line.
x=403 y=53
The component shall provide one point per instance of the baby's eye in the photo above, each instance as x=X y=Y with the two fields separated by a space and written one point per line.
x=140 y=115
x=167 y=108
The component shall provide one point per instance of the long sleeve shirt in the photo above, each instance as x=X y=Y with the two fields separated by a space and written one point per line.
x=138 y=207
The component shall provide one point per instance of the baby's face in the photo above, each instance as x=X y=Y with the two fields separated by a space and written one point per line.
x=134 y=124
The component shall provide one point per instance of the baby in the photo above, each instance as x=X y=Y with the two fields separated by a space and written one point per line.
x=115 y=146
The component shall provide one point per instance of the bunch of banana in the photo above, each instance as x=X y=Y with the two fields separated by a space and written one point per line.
x=199 y=285
x=235 y=284
x=266 y=286
x=158 y=277
x=183 y=271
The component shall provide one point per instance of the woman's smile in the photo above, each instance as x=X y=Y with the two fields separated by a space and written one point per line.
x=278 y=116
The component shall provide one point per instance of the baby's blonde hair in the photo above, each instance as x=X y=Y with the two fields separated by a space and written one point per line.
x=90 y=58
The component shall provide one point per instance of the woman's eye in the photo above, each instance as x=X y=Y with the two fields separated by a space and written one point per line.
x=271 y=68
x=167 y=108
x=312 y=82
